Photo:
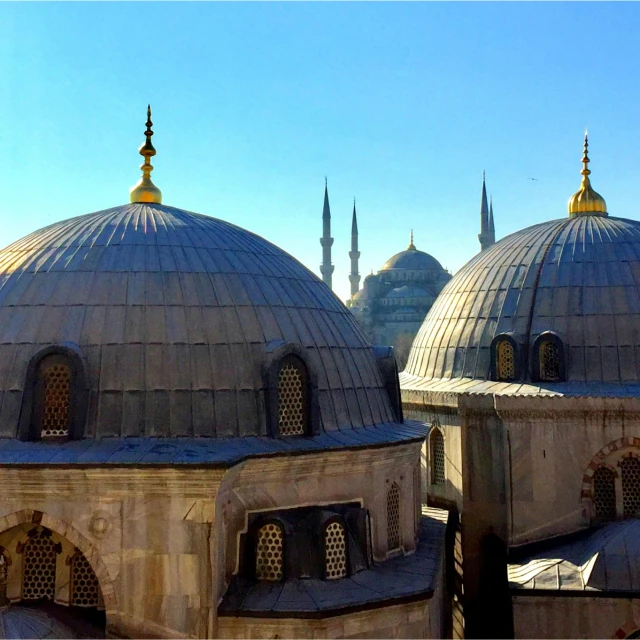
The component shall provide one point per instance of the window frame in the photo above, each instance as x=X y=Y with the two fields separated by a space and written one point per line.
x=493 y=353
x=398 y=547
x=259 y=525
x=28 y=427
x=548 y=336
x=325 y=525
x=436 y=431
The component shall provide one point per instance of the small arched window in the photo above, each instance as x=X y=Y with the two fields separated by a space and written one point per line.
x=53 y=397
x=505 y=361
x=436 y=446
x=335 y=550
x=604 y=493
x=393 y=518
x=549 y=355
x=85 y=588
x=39 y=573
x=270 y=552
x=293 y=400
x=630 y=472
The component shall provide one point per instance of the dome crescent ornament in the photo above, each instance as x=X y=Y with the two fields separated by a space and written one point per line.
x=145 y=190
x=586 y=202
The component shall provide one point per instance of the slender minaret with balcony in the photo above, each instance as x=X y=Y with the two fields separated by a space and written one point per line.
x=326 y=268
x=354 y=254
x=487 y=234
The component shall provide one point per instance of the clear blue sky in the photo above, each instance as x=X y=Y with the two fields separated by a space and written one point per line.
x=401 y=105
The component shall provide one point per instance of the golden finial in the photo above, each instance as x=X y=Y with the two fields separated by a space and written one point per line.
x=411 y=247
x=586 y=201
x=145 y=190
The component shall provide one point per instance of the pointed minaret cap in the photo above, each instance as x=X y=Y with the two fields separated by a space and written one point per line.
x=586 y=202
x=411 y=247
x=145 y=190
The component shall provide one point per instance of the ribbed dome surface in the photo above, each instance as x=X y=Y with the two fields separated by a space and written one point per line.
x=579 y=277
x=173 y=311
x=412 y=259
x=22 y=622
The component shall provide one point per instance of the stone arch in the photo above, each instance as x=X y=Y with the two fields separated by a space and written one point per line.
x=599 y=460
x=67 y=531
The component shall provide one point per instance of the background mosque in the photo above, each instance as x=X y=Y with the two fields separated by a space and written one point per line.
x=393 y=303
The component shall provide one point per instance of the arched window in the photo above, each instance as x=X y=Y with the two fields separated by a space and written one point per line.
x=505 y=361
x=39 y=573
x=270 y=552
x=335 y=550
x=630 y=471
x=85 y=589
x=53 y=397
x=393 y=518
x=436 y=446
x=604 y=493
x=550 y=361
x=293 y=401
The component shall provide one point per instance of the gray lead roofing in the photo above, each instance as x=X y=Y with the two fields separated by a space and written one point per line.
x=578 y=277
x=173 y=311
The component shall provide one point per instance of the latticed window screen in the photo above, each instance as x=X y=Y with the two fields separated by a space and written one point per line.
x=85 y=589
x=505 y=360
x=57 y=399
x=291 y=400
x=393 y=517
x=549 y=361
x=604 y=493
x=39 y=567
x=269 y=556
x=437 y=456
x=335 y=545
x=630 y=471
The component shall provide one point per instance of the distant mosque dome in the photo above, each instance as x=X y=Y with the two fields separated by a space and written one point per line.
x=413 y=260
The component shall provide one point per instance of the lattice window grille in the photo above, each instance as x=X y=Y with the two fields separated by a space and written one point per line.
x=85 y=588
x=39 y=567
x=57 y=400
x=549 y=361
x=630 y=471
x=604 y=493
x=393 y=517
x=335 y=545
x=505 y=354
x=437 y=457
x=269 y=556
x=291 y=414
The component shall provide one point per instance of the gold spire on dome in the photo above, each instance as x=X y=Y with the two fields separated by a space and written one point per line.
x=411 y=247
x=586 y=202
x=145 y=190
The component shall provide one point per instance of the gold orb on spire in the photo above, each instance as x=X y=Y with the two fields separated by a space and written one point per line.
x=145 y=190
x=411 y=247
x=586 y=202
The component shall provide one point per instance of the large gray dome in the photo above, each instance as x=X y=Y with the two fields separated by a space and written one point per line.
x=173 y=312
x=578 y=277
x=412 y=260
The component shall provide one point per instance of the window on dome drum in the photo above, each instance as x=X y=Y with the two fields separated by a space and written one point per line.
x=85 y=589
x=505 y=361
x=436 y=442
x=604 y=493
x=335 y=548
x=293 y=408
x=269 y=553
x=39 y=575
x=393 y=518
x=549 y=354
x=53 y=396
x=630 y=472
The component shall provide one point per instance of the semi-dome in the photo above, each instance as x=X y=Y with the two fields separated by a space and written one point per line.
x=577 y=278
x=173 y=314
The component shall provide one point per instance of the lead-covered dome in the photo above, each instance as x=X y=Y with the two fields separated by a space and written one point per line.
x=172 y=313
x=577 y=278
x=412 y=260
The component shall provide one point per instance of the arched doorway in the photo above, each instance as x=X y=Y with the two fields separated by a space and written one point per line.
x=43 y=570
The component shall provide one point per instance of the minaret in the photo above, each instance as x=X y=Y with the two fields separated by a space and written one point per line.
x=354 y=254
x=486 y=237
x=326 y=268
